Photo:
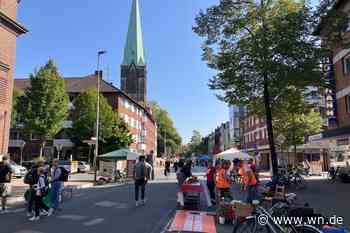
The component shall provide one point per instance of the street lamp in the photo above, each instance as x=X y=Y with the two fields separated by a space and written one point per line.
x=99 y=54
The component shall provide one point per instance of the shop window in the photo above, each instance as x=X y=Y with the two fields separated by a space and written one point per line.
x=347 y=102
x=346 y=64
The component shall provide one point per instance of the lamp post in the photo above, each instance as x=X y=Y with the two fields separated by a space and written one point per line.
x=99 y=54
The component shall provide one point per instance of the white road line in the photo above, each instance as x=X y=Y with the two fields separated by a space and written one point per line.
x=93 y=222
x=17 y=210
x=28 y=231
x=72 y=217
x=105 y=204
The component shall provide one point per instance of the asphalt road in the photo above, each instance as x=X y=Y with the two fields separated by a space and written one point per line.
x=102 y=210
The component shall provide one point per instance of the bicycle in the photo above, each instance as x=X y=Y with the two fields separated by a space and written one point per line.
x=262 y=221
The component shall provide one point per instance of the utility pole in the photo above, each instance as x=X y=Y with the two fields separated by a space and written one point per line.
x=99 y=53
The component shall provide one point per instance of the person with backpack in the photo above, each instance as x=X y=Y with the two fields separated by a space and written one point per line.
x=5 y=182
x=31 y=178
x=142 y=172
x=58 y=175
x=41 y=189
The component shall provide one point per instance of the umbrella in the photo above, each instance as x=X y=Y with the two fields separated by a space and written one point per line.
x=233 y=153
x=122 y=154
x=204 y=158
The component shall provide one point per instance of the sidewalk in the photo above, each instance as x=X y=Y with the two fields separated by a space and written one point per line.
x=76 y=181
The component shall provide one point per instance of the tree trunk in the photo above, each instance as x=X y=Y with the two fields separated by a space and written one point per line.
x=42 y=145
x=269 y=127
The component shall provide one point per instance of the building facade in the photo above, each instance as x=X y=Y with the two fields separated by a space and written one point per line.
x=139 y=119
x=9 y=30
x=133 y=70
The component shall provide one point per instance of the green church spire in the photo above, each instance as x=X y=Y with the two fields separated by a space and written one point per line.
x=133 y=52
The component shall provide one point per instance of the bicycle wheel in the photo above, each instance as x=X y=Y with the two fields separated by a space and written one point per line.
x=250 y=226
x=304 y=229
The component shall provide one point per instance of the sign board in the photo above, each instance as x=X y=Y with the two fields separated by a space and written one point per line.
x=343 y=142
x=74 y=166
x=315 y=137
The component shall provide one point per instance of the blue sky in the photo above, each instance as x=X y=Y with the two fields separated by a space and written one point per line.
x=71 y=32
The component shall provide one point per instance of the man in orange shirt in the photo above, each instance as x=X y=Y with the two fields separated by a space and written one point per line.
x=250 y=185
x=223 y=181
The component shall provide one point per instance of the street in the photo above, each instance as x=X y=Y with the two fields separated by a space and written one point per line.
x=104 y=210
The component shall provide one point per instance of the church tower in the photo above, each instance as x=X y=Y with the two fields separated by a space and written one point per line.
x=133 y=69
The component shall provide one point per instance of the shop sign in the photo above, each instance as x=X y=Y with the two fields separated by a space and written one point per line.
x=315 y=137
x=343 y=142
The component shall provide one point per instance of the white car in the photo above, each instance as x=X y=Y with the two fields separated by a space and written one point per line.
x=83 y=167
x=18 y=171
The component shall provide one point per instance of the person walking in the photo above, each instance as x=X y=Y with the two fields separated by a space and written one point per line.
x=5 y=182
x=167 y=168
x=31 y=178
x=141 y=176
x=211 y=180
x=56 y=184
x=41 y=189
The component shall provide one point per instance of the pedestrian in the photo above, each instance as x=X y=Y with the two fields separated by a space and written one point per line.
x=167 y=168
x=56 y=184
x=5 y=182
x=187 y=169
x=41 y=190
x=211 y=180
x=223 y=180
x=250 y=185
x=141 y=176
x=176 y=166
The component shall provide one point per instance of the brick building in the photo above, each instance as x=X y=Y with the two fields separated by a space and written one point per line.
x=9 y=30
x=138 y=118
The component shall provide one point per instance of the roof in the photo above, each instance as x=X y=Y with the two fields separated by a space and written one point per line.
x=134 y=52
x=82 y=84
x=335 y=5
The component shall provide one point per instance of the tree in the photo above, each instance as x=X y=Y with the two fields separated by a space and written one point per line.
x=295 y=118
x=17 y=107
x=166 y=132
x=46 y=104
x=114 y=133
x=260 y=48
x=195 y=142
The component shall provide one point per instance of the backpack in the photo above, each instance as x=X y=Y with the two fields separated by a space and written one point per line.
x=29 y=178
x=4 y=174
x=64 y=175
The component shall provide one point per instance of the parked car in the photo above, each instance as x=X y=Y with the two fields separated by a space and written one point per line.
x=19 y=171
x=66 y=165
x=83 y=167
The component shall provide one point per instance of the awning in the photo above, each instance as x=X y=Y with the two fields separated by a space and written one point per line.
x=338 y=132
x=63 y=143
x=231 y=154
x=122 y=154
x=17 y=143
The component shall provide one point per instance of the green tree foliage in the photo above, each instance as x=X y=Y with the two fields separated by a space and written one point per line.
x=46 y=104
x=17 y=107
x=260 y=48
x=165 y=131
x=295 y=118
x=113 y=134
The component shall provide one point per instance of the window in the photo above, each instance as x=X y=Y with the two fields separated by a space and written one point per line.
x=347 y=102
x=346 y=64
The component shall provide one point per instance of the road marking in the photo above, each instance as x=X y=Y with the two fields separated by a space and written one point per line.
x=28 y=231
x=93 y=222
x=17 y=210
x=105 y=204
x=122 y=206
x=72 y=217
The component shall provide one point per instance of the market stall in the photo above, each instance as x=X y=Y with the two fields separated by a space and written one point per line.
x=232 y=154
x=117 y=160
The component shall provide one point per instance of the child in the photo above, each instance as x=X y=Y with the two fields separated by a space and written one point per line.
x=40 y=192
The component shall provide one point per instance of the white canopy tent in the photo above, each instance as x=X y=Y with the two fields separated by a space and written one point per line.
x=232 y=154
